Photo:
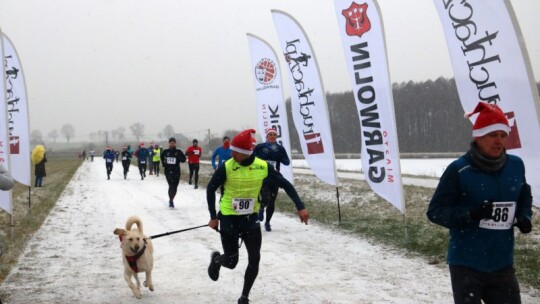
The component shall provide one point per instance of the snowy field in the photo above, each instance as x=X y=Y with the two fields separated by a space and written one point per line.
x=430 y=167
x=75 y=258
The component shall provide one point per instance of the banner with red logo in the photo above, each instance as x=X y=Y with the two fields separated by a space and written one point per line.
x=17 y=113
x=491 y=64
x=271 y=111
x=363 y=39
x=5 y=196
x=308 y=98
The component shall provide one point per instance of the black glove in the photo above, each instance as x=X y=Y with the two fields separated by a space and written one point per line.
x=484 y=211
x=524 y=224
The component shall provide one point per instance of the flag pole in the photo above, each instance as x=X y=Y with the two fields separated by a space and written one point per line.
x=29 y=199
x=338 y=208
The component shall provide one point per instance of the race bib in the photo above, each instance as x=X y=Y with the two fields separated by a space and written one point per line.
x=108 y=160
x=196 y=152
x=143 y=162
x=243 y=206
x=124 y=157
x=171 y=160
x=503 y=216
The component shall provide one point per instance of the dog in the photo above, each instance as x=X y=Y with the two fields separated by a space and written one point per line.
x=137 y=254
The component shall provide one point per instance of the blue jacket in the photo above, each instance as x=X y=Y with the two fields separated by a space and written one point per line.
x=223 y=154
x=109 y=155
x=274 y=154
x=141 y=154
x=462 y=186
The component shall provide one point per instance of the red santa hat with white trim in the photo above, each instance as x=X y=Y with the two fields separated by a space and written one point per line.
x=271 y=130
x=244 y=142
x=490 y=118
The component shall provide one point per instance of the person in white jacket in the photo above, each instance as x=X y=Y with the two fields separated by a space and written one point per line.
x=6 y=181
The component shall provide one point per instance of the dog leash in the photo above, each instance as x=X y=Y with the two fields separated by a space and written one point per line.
x=177 y=231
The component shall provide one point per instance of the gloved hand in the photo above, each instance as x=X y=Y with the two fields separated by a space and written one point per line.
x=484 y=211
x=524 y=224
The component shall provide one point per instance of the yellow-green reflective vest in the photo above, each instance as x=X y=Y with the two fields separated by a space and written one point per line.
x=242 y=183
x=156 y=157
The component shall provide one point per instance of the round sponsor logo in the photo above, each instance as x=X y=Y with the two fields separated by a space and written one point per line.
x=265 y=71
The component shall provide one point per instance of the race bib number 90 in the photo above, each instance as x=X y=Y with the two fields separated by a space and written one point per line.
x=502 y=217
x=243 y=206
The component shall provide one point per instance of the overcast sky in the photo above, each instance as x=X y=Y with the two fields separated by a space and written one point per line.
x=102 y=64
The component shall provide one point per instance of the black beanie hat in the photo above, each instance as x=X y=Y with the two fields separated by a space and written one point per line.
x=172 y=139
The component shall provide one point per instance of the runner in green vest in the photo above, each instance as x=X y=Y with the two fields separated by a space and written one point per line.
x=156 y=158
x=242 y=178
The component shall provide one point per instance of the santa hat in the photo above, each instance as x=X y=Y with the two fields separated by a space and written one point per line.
x=108 y=148
x=244 y=142
x=490 y=118
x=271 y=130
x=141 y=144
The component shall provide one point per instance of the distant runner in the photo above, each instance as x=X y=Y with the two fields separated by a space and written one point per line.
x=171 y=159
x=109 y=157
x=126 y=160
x=142 y=158
x=194 y=153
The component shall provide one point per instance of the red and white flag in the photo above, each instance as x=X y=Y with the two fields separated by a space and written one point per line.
x=17 y=114
x=271 y=111
x=491 y=64
x=308 y=98
x=363 y=39
x=5 y=196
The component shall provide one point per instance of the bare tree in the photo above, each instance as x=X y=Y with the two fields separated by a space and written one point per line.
x=168 y=131
x=35 y=137
x=53 y=135
x=137 y=129
x=68 y=131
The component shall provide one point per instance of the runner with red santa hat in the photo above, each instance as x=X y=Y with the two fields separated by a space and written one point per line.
x=242 y=177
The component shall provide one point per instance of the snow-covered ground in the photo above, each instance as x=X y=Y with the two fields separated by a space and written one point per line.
x=410 y=168
x=75 y=258
x=431 y=167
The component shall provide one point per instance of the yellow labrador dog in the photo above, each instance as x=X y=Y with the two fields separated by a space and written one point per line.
x=137 y=254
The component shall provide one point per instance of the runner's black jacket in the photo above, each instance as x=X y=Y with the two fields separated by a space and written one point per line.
x=174 y=166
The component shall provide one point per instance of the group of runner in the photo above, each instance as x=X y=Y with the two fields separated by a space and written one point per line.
x=150 y=158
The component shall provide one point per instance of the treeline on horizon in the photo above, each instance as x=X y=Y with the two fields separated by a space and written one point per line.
x=429 y=118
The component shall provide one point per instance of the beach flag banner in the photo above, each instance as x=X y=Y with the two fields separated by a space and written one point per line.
x=6 y=202
x=362 y=34
x=17 y=113
x=308 y=98
x=271 y=111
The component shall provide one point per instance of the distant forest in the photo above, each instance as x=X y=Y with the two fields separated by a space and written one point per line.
x=429 y=118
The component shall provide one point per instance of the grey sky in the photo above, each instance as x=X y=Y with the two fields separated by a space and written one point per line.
x=102 y=64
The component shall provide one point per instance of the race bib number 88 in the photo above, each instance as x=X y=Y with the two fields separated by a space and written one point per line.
x=502 y=217
x=243 y=206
